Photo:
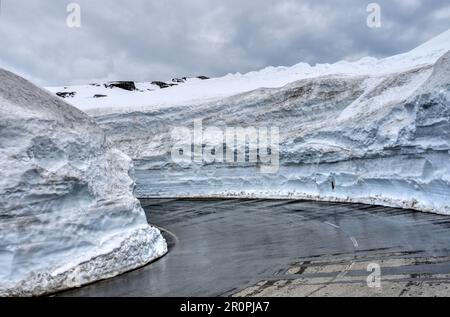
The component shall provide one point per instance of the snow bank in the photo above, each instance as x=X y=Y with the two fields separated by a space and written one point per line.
x=373 y=131
x=67 y=211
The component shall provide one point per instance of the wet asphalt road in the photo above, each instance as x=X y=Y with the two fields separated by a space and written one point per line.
x=220 y=247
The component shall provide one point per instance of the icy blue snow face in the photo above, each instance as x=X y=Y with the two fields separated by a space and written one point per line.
x=381 y=139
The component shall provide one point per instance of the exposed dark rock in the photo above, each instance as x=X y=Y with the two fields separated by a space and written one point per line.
x=162 y=84
x=100 y=96
x=179 y=80
x=66 y=94
x=126 y=85
x=203 y=77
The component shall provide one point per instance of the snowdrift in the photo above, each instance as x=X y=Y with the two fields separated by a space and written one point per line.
x=67 y=211
x=372 y=131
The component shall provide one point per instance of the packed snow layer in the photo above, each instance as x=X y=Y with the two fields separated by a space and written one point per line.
x=374 y=131
x=68 y=216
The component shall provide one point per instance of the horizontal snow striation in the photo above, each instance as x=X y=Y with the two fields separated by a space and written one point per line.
x=374 y=131
x=373 y=139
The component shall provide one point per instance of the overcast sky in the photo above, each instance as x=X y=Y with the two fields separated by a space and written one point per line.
x=147 y=40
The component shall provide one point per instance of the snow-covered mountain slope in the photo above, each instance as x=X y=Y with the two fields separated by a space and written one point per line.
x=373 y=131
x=194 y=90
x=67 y=211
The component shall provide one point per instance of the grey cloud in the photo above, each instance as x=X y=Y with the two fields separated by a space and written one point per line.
x=147 y=40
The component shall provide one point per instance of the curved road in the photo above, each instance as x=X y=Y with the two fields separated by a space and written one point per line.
x=291 y=248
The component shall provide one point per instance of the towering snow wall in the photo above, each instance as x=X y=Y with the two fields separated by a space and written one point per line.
x=67 y=211
x=373 y=131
